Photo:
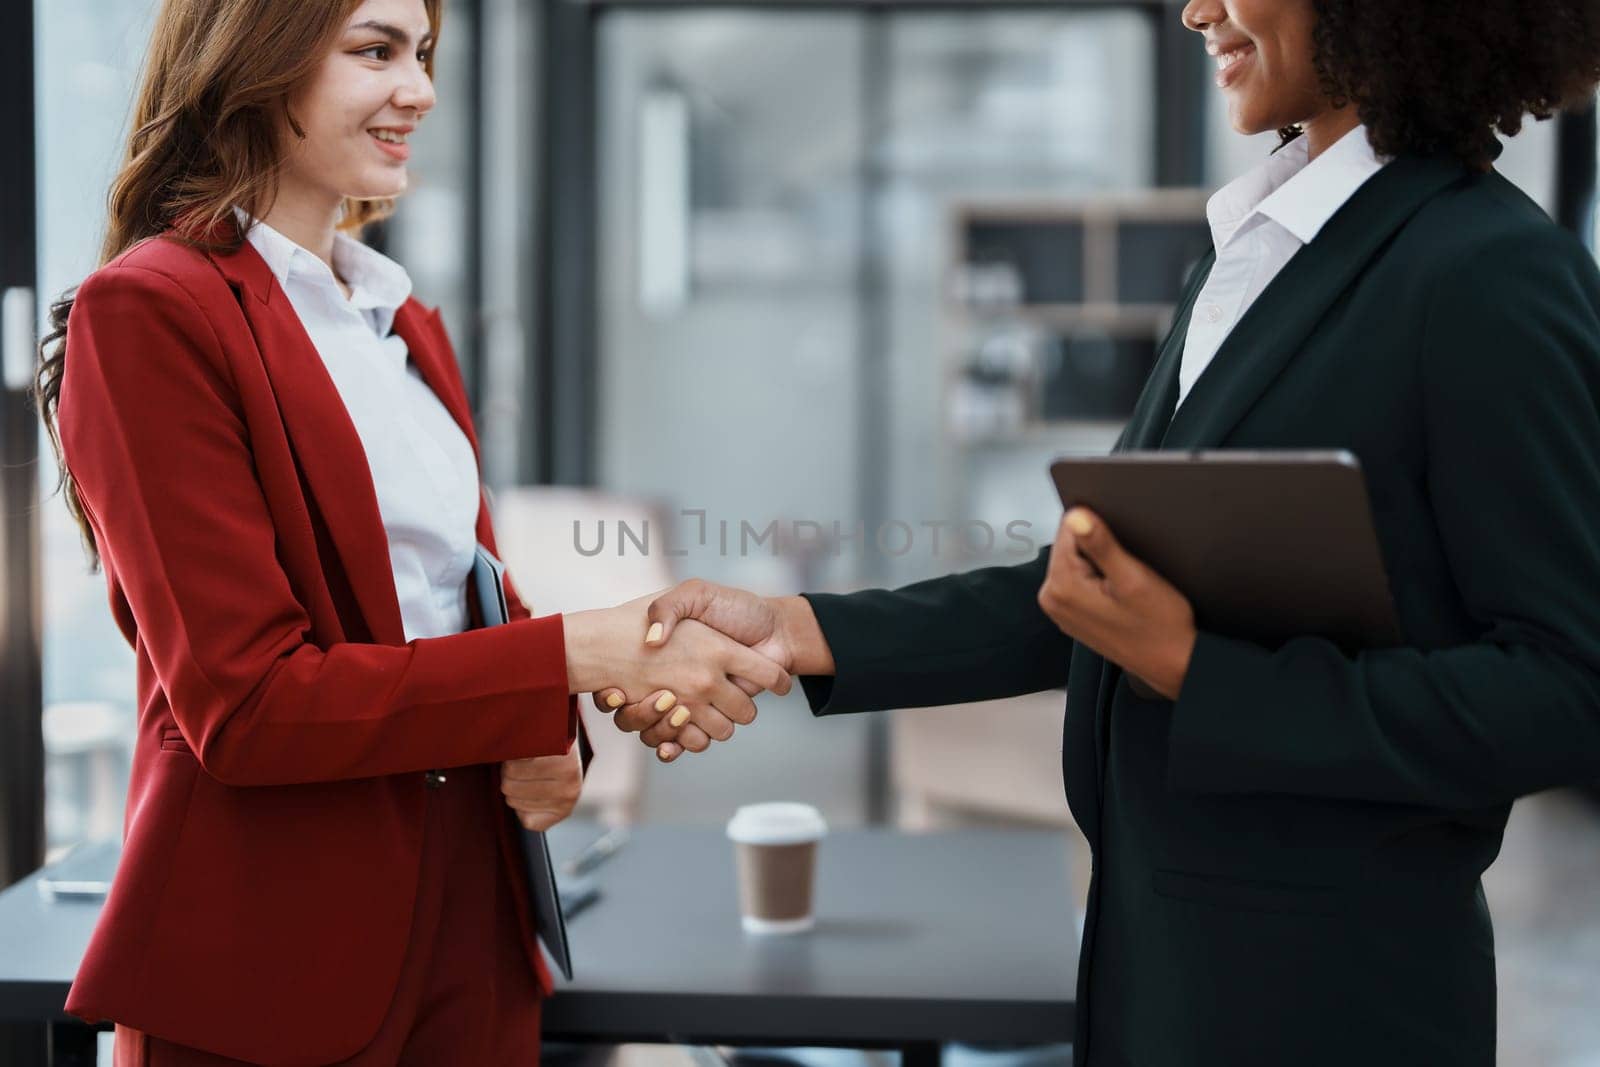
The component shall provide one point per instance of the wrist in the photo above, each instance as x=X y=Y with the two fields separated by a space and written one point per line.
x=1182 y=654
x=803 y=636
x=591 y=650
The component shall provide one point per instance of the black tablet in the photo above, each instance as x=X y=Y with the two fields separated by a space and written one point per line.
x=1266 y=545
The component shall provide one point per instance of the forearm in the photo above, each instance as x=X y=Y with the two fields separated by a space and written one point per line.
x=1462 y=728
x=966 y=637
x=365 y=710
x=594 y=659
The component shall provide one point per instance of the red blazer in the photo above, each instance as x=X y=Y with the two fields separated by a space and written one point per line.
x=275 y=809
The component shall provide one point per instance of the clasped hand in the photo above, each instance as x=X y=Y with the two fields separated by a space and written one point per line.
x=753 y=621
x=1094 y=591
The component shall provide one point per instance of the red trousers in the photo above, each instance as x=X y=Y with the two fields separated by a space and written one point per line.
x=467 y=993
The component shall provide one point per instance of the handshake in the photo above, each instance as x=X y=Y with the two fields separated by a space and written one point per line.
x=680 y=668
x=744 y=644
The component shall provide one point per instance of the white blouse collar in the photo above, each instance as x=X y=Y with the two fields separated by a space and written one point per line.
x=377 y=283
x=1298 y=193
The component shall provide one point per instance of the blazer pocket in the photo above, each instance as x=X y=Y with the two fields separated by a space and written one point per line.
x=172 y=741
x=1242 y=895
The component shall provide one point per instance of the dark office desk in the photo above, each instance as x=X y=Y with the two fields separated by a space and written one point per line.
x=920 y=939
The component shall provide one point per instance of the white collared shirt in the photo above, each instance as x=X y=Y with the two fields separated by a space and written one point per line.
x=422 y=465
x=1258 y=222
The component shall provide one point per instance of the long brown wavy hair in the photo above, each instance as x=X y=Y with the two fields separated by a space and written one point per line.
x=204 y=139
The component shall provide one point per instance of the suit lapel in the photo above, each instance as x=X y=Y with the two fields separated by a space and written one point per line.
x=1160 y=394
x=1276 y=326
x=1092 y=679
x=425 y=339
x=325 y=442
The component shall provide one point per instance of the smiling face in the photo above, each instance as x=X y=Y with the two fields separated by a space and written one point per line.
x=1263 y=50
x=356 y=111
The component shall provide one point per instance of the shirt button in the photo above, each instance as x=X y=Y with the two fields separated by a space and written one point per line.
x=1211 y=313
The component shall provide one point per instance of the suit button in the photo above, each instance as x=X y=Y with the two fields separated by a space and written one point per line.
x=433 y=779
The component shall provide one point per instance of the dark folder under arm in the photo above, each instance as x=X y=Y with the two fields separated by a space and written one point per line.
x=488 y=581
x=1266 y=545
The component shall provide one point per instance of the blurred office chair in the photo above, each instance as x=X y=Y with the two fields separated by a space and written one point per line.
x=88 y=746
x=991 y=760
x=539 y=541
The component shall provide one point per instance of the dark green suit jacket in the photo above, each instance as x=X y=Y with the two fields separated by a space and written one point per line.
x=1287 y=859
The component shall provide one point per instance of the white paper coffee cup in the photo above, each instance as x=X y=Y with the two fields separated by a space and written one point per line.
x=775 y=850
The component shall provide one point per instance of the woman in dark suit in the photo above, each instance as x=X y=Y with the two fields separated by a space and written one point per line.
x=1288 y=840
x=266 y=441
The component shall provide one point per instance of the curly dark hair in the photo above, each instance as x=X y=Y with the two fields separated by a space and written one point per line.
x=1440 y=77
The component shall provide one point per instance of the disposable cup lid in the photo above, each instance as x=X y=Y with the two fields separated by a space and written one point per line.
x=776 y=824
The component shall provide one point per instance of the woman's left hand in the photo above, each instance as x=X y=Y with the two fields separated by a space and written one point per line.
x=1100 y=595
x=542 y=790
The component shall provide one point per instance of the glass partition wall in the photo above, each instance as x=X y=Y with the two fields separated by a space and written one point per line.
x=88 y=55
x=777 y=254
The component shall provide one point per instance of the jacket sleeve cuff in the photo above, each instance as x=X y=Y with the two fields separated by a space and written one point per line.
x=839 y=694
x=585 y=746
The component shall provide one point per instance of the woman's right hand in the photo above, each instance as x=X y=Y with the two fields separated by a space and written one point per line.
x=692 y=676
x=782 y=628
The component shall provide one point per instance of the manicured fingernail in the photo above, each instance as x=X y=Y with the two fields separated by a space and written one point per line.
x=663 y=755
x=665 y=701
x=1080 y=523
x=654 y=635
x=679 y=717
x=614 y=700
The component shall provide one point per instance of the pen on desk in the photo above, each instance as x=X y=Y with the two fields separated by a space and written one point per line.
x=575 y=900
x=596 y=852
x=81 y=889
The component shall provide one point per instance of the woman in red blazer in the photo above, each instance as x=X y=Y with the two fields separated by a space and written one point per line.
x=301 y=881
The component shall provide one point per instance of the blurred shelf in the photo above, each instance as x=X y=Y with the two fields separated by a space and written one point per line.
x=1156 y=204
x=1116 y=319
x=1067 y=435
